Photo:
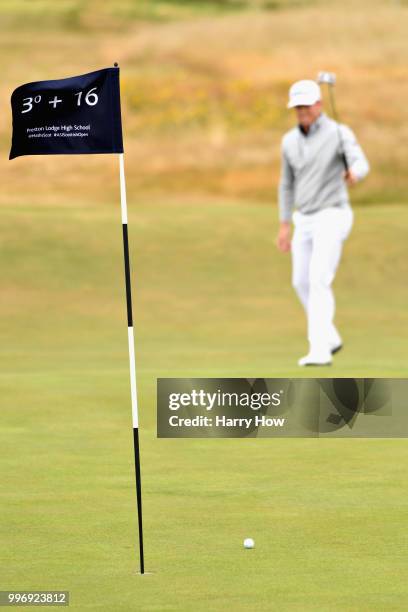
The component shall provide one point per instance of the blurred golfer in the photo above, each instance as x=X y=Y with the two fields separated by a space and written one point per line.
x=313 y=194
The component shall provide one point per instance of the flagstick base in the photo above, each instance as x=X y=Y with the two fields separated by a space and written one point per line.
x=139 y=496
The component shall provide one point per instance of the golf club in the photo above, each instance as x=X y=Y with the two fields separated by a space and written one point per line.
x=330 y=79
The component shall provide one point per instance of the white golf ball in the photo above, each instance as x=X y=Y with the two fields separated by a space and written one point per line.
x=249 y=543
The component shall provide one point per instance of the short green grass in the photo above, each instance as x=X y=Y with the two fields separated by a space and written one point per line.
x=211 y=298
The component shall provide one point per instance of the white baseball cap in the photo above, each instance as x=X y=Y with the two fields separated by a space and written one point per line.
x=304 y=93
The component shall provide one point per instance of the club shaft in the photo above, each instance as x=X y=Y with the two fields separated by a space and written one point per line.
x=335 y=117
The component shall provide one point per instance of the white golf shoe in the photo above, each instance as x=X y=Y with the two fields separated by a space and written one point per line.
x=315 y=359
x=336 y=348
x=335 y=341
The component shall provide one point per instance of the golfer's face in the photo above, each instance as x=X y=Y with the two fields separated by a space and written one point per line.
x=307 y=114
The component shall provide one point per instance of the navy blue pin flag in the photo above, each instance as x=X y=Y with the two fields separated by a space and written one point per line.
x=81 y=115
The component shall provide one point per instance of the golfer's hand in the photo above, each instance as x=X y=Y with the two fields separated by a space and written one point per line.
x=350 y=178
x=283 y=239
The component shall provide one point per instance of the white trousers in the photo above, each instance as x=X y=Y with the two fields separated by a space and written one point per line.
x=316 y=250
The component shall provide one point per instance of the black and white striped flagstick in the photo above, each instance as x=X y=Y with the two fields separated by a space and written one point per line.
x=132 y=364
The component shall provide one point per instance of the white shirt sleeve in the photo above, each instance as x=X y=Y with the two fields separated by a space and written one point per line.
x=286 y=188
x=355 y=156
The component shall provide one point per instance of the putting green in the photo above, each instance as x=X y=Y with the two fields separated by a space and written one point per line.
x=211 y=298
